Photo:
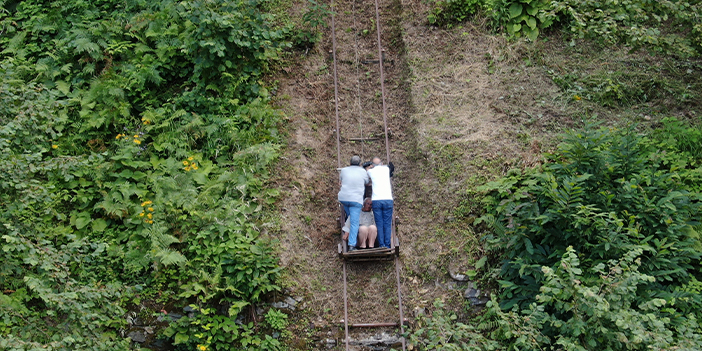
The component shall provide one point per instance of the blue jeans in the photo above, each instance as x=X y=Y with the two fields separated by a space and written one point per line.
x=353 y=210
x=382 y=212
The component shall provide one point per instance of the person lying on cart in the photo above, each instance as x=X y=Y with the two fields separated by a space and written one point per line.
x=367 y=231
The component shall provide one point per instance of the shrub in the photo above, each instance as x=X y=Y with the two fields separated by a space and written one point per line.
x=135 y=137
x=604 y=193
x=671 y=26
x=523 y=17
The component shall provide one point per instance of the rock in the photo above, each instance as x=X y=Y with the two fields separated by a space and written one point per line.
x=298 y=298
x=275 y=335
x=419 y=311
x=188 y=309
x=380 y=339
x=290 y=301
x=285 y=305
x=260 y=311
x=137 y=336
x=453 y=272
x=330 y=343
x=475 y=297
x=149 y=330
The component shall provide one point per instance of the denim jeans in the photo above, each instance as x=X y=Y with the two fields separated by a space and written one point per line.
x=353 y=210
x=382 y=212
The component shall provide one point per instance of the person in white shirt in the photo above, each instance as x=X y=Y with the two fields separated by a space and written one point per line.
x=382 y=200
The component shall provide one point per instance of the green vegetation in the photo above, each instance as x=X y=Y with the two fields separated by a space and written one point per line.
x=135 y=144
x=600 y=249
x=670 y=26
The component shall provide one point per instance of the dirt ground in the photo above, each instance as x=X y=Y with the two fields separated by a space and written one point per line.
x=464 y=106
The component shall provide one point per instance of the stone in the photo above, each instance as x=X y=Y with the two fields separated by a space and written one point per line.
x=453 y=272
x=383 y=338
x=475 y=297
x=290 y=301
x=188 y=309
x=283 y=305
x=149 y=330
x=137 y=336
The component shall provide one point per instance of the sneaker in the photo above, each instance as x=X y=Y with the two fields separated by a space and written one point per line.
x=352 y=248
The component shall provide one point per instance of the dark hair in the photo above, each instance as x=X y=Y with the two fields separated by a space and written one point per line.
x=367 y=163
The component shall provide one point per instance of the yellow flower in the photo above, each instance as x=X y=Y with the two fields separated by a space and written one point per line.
x=187 y=169
x=202 y=347
x=151 y=209
x=136 y=136
x=141 y=214
x=194 y=166
x=185 y=163
x=150 y=215
x=577 y=97
x=118 y=135
x=151 y=222
x=137 y=141
x=54 y=146
x=148 y=202
x=190 y=158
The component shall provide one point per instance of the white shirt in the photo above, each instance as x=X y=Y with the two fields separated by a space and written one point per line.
x=380 y=177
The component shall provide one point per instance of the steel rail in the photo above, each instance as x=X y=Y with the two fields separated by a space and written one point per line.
x=336 y=87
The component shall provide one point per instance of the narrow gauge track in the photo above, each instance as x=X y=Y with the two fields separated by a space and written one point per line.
x=361 y=114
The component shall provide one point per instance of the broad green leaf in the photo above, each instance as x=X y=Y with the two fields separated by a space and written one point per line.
x=181 y=338
x=515 y=10
x=99 y=225
x=82 y=220
x=531 y=22
x=531 y=10
x=531 y=33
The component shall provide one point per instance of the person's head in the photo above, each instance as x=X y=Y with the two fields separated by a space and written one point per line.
x=367 y=205
x=367 y=165
x=376 y=161
x=355 y=161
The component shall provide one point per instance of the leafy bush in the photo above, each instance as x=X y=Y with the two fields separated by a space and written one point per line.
x=671 y=26
x=135 y=137
x=575 y=309
x=447 y=12
x=208 y=330
x=523 y=17
x=604 y=193
x=276 y=319
x=442 y=331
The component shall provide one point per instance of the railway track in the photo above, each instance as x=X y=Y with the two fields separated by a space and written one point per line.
x=361 y=119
